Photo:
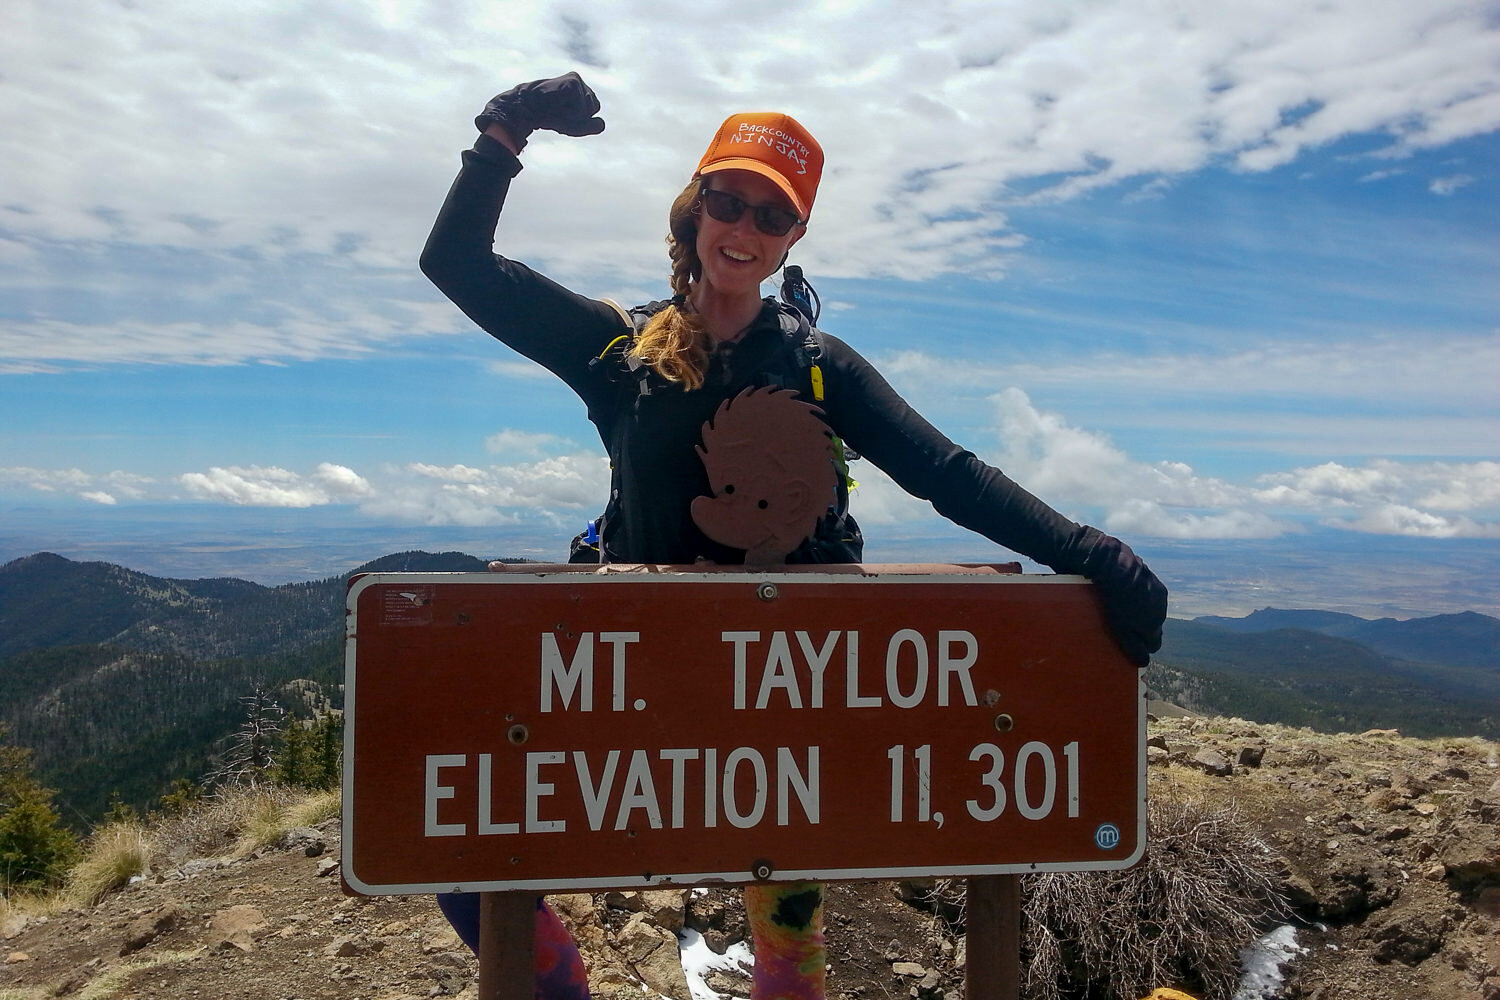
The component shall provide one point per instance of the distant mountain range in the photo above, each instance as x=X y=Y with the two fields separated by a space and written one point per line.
x=1436 y=676
x=121 y=681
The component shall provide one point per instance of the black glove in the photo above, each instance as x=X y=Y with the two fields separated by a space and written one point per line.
x=562 y=104
x=1135 y=601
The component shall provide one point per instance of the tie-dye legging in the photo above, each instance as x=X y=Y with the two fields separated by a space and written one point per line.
x=559 y=967
x=786 y=926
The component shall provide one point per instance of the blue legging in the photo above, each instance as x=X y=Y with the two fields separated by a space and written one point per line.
x=559 y=968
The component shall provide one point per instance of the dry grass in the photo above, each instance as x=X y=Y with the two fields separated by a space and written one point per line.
x=225 y=823
x=110 y=983
x=114 y=854
x=1205 y=890
x=32 y=903
x=315 y=808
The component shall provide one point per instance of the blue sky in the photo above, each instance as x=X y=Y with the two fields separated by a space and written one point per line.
x=1199 y=276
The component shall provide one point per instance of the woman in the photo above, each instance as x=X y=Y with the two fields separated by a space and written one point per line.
x=731 y=228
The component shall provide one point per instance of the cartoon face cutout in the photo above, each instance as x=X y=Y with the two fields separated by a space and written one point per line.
x=769 y=463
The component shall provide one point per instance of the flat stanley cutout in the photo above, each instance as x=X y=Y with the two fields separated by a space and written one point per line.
x=770 y=465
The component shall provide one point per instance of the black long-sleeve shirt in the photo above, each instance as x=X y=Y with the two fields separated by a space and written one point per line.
x=651 y=438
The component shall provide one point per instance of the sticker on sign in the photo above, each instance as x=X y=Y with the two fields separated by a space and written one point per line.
x=569 y=732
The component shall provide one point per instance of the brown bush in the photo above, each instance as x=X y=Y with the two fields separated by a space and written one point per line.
x=1206 y=888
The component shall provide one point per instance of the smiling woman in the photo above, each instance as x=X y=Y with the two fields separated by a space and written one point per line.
x=659 y=380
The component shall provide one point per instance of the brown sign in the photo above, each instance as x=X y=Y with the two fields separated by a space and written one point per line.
x=569 y=731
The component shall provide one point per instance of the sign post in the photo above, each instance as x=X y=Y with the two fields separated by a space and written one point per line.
x=542 y=731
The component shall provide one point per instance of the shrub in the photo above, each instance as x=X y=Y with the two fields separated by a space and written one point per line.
x=114 y=854
x=1206 y=888
x=219 y=822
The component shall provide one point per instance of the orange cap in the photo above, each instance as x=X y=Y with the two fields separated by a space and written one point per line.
x=773 y=145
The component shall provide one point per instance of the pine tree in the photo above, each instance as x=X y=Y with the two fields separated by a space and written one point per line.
x=35 y=848
x=328 y=751
x=293 y=764
x=183 y=794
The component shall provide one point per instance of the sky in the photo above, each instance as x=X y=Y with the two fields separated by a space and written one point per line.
x=1217 y=278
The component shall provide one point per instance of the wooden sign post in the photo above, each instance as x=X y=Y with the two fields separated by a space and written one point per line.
x=544 y=731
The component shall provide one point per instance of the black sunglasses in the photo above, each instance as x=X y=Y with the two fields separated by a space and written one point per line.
x=726 y=207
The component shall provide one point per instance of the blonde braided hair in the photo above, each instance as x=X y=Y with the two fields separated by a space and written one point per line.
x=675 y=342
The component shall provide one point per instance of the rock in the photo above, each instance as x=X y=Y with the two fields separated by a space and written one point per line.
x=199 y=866
x=1212 y=762
x=449 y=971
x=637 y=939
x=303 y=838
x=1410 y=939
x=1159 y=741
x=721 y=981
x=573 y=908
x=17 y=957
x=327 y=867
x=911 y=969
x=718 y=942
x=629 y=901
x=666 y=907
x=1410 y=788
x=1384 y=800
x=1396 y=833
x=1388 y=733
x=654 y=955
x=353 y=946
x=717 y=910
x=1251 y=756
x=11 y=924
x=1424 y=808
x=1158 y=757
x=148 y=927
x=1353 y=891
x=1487 y=902
x=443 y=939
x=235 y=927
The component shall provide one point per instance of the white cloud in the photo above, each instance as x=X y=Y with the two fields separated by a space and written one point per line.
x=514 y=442
x=254 y=486
x=1447 y=185
x=1398 y=519
x=1078 y=471
x=335 y=132
x=1145 y=518
x=46 y=480
x=1401 y=497
x=342 y=482
x=1375 y=368
x=520 y=369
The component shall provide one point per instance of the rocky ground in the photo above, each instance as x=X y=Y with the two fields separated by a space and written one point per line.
x=1390 y=849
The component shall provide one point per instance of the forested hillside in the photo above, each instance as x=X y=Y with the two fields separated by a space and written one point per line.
x=123 y=682
x=1259 y=668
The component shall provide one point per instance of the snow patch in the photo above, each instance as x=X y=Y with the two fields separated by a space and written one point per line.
x=1262 y=962
x=698 y=960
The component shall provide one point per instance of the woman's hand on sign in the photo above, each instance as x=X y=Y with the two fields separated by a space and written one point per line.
x=1135 y=601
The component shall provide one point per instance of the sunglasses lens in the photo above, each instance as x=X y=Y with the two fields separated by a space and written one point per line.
x=725 y=207
x=773 y=221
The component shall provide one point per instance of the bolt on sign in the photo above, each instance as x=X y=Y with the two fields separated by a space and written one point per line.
x=567 y=731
